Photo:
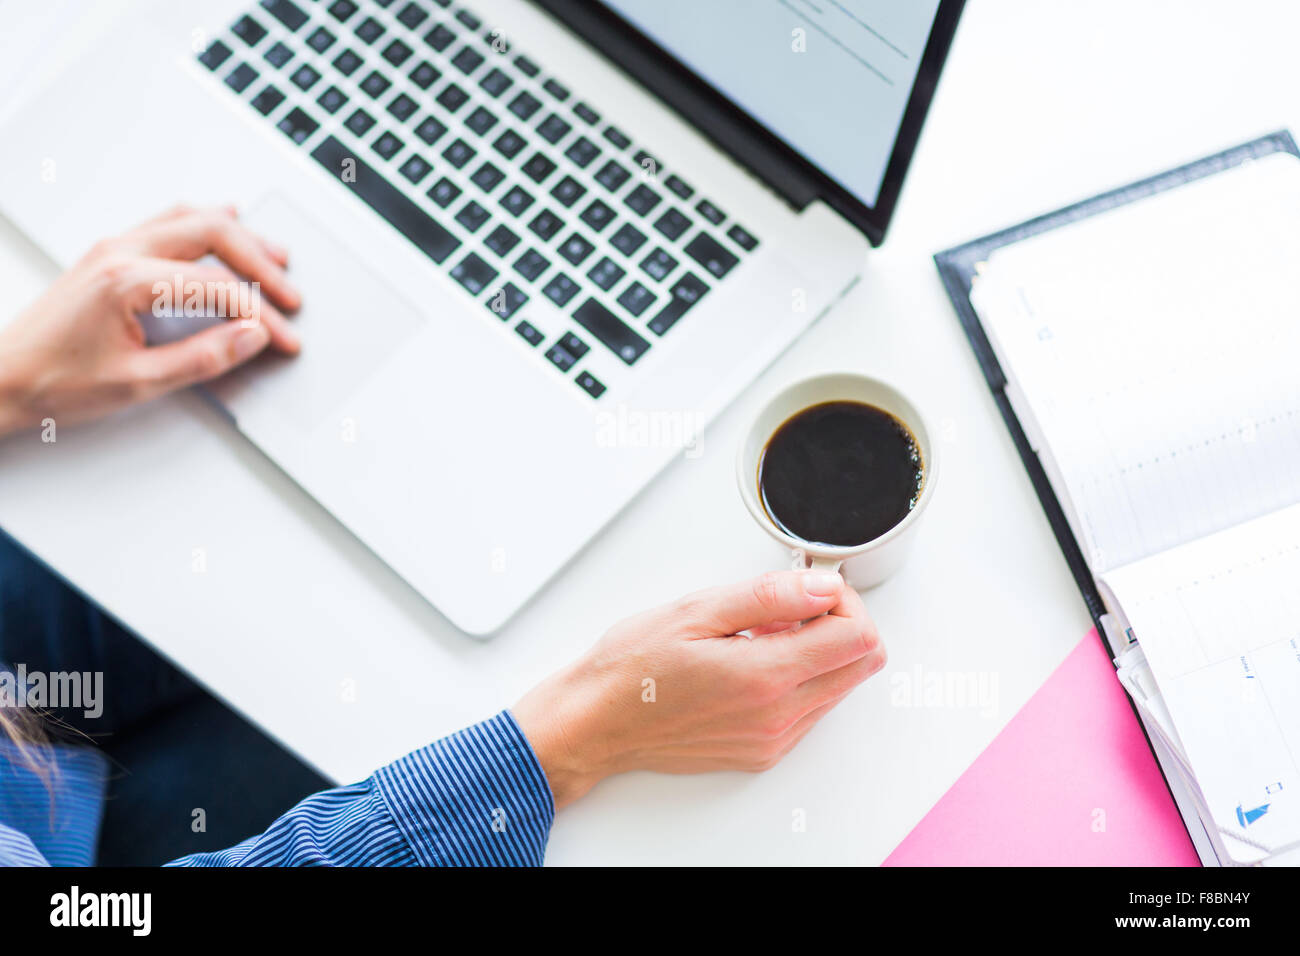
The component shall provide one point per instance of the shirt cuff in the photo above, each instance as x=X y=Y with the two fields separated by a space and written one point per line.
x=476 y=798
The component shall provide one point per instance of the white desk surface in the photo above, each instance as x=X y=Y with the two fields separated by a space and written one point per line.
x=1041 y=104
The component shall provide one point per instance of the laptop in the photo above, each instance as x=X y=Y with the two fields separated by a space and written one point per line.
x=541 y=244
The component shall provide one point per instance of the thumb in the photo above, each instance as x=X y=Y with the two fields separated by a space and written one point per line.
x=203 y=356
x=772 y=597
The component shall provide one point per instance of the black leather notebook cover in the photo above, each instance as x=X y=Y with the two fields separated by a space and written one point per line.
x=957 y=267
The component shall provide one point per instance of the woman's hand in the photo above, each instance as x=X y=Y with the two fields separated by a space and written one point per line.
x=79 y=351
x=677 y=689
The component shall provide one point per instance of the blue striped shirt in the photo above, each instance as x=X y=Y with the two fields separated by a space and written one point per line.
x=476 y=798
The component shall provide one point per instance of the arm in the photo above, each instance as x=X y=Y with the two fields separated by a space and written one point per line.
x=475 y=798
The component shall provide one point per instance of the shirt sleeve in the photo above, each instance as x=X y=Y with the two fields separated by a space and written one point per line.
x=476 y=798
x=17 y=849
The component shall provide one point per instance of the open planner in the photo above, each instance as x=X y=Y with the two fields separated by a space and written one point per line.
x=1145 y=349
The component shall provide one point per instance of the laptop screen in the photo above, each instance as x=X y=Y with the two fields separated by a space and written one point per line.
x=831 y=78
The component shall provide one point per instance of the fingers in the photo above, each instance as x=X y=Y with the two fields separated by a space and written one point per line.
x=844 y=635
x=774 y=597
x=189 y=234
x=222 y=294
x=199 y=358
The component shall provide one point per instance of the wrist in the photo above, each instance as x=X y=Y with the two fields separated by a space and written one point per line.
x=13 y=406
x=560 y=718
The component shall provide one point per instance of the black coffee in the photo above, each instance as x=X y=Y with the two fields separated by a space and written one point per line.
x=840 y=473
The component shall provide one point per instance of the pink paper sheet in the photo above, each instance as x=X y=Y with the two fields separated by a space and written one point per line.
x=1070 y=781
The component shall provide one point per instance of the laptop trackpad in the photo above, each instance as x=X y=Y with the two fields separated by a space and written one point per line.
x=350 y=323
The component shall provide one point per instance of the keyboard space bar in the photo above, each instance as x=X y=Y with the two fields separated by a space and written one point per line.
x=404 y=216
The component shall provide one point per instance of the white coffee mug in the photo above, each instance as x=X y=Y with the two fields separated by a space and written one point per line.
x=863 y=565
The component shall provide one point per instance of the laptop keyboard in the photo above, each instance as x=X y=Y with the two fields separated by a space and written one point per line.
x=496 y=171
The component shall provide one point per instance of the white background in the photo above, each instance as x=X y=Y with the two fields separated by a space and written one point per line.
x=1041 y=104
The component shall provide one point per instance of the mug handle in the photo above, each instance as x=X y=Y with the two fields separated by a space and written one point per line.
x=824 y=564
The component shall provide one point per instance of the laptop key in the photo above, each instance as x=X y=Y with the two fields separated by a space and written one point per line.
x=473 y=273
x=347 y=62
x=412 y=15
x=606 y=273
x=241 y=77
x=480 y=121
x=590 y=384
x=628 y=239
x=711 y=254
x=688 y=290
x=472 y=216
x=509 y=144
x=304 y=77
x=636 y=298
x=267 y=100
x=742 y=238
x=495 y=82
x=553 y=129
x=425 y=74
x=487 y=177
x=616 y=137
x=444 y=192
x=576 y=249
x=516 y=201
x=278 y=55
x=526 y=66
x=430 y=130
x=387 y=145
x=468 y=19
x=532 y=264
x=415 y=169
x=642 y=200
x=529 y=333
x=369 y=30
x=360 y=122
x=679 y=187
x=658 y=265
x=582 y=152
x=673 y=224
x=598 y=215
x=452 y=97
x=611 y=331
x=710 y=212
x=248 y=30
x=502 y=241
x=586 y=114
x=297 y=125
x=573 y=345
x=560 y=290
x=538 y=167
x=560 y=358
x=397 y=53
x=439 y=38
x=287 y=12
x=458 y=153
x=402 y=108
x=375 y=84
x=556 y=89
x=612 y=176
x=546 y=225
x=340 y=10
x=507 y=300
x=524 y=105
x=467 y=60
x=332 y=100
x=216 y=54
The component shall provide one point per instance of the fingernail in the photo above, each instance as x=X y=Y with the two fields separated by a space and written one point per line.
x=248 y=343
x=821 y=583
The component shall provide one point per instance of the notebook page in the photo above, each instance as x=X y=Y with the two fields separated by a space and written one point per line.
x=1219 y=622
x=1156 y=346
